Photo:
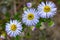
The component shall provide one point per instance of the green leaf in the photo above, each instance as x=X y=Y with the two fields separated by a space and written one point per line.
x=17 y=38
x=28 y=35
x=7 y=15
x=50 y=23
x=23 y=25
x=16 y=16
x=38 y=24
x=43 y=19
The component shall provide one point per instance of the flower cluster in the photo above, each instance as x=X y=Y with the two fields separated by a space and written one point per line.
x=31 y=17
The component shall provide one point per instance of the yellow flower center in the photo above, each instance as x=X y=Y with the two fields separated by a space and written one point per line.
x=47 y=9
x=30 y=16
x=13 y=27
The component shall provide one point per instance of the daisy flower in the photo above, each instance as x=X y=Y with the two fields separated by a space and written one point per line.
x=47 y=10
x=30 y=17
x=13 y=28
x=29 y=4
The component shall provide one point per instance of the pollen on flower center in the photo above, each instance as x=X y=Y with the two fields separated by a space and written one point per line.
x=47 y=9
x=30 y=16
x=13 y=27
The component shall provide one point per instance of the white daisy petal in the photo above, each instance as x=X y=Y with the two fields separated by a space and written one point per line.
x=54 y=9
x=42 y=3
x=11 y=21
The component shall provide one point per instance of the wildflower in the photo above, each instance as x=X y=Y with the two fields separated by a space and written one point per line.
x=13 y=28
x=30 y=17
x=29 y=4
x=47 y=10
